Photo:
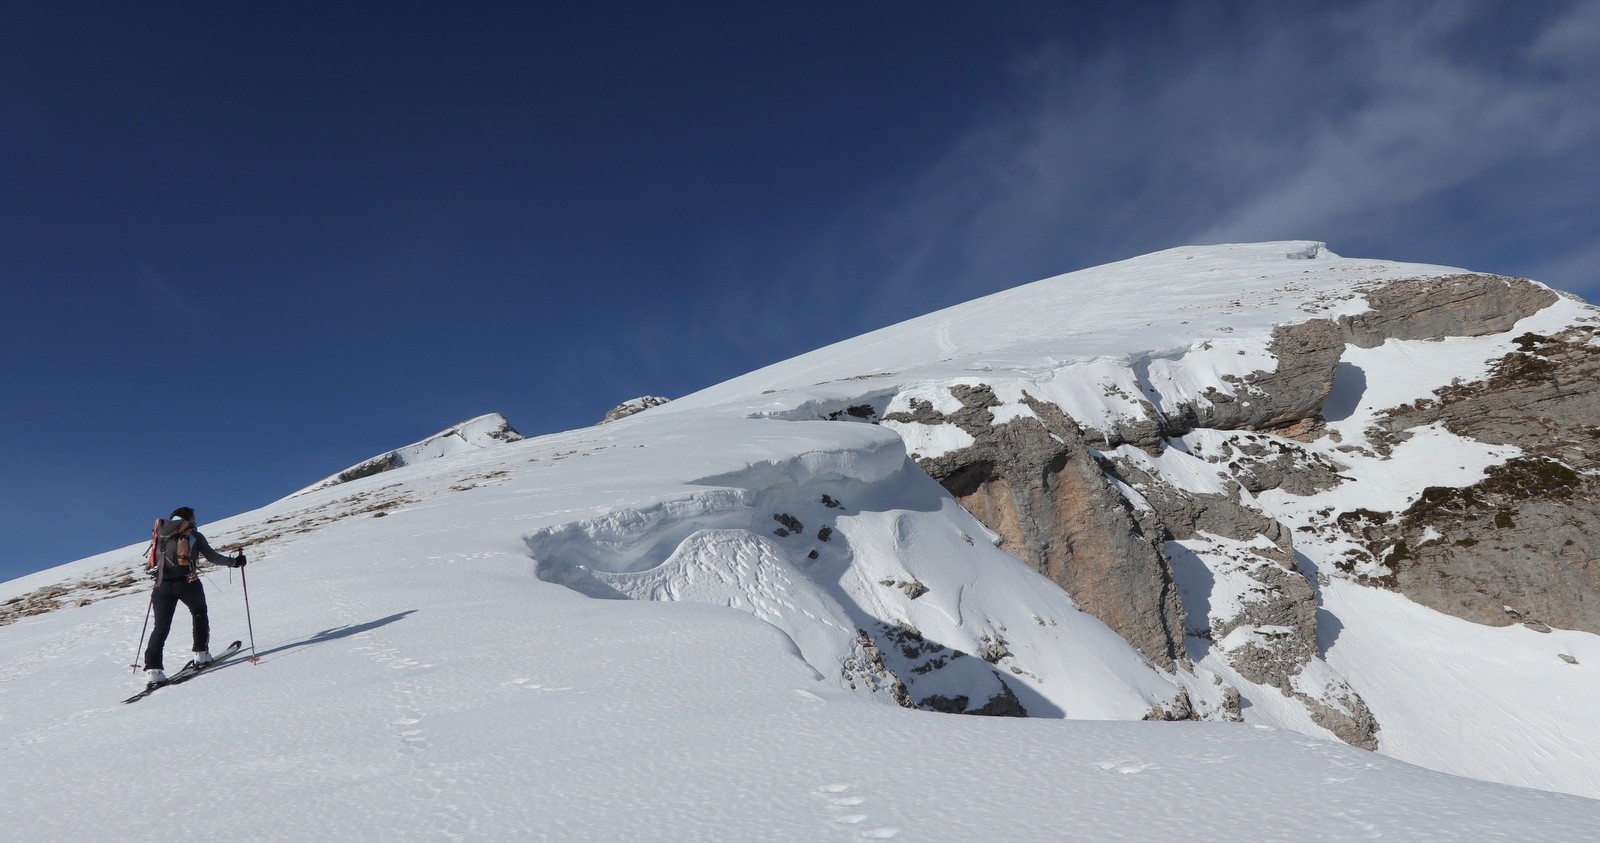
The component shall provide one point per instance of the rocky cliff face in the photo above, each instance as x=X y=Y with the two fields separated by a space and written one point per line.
x=1183 y=570
x=1037 y=483
x=1519 y=545
x=1468 y=305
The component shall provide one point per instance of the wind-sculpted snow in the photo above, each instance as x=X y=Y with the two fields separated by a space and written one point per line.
x=871 y=460
x=630 y=540
x=856 y=546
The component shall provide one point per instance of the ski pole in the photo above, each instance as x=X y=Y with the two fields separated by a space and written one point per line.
x=245 y=584
x=148 y=607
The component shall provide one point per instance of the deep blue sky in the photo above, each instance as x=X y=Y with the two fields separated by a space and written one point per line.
x=243 y=246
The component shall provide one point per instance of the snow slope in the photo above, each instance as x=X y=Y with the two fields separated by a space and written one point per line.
x=1149 y=311
x=611 y=633
x=418 y=681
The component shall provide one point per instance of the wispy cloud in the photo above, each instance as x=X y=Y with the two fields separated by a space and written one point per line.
x=1428 y=107
x=157 y=286
x=1343 y=122
x=1571 y=40
x=1463 y=133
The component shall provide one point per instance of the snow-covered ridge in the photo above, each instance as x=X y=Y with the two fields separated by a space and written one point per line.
x=1171 y=332
x=485 y=431
x=1152 y=306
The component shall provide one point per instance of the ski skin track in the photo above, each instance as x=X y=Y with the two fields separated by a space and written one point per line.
x=187 y=672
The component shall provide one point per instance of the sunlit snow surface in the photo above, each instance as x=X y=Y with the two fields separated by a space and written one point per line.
x=599 y=635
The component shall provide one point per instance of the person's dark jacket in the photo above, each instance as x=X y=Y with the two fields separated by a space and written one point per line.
x=181 y=542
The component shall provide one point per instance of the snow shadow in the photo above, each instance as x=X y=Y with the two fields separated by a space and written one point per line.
x=1349 y=387
x=332 y=634
x=1195 y=582
x=1328 y=625
x=576 y=577
x=1328 y=628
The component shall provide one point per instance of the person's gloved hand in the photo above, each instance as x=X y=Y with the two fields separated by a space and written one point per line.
x=239 y=560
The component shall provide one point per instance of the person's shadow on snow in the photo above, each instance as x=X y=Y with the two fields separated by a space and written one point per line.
x=325 y=636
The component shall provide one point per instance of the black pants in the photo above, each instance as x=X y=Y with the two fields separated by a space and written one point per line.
x=164 y=603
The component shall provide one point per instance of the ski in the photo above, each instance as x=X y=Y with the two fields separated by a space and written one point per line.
x=188 y=671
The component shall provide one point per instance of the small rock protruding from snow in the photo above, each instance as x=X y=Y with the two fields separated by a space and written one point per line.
x=632 y=406
x=474 y=434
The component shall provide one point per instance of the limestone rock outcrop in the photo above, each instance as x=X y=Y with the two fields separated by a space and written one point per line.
x=633 y=406
x=1037 y=483
x=1469 y=305
x=1308 y=358
x=1519 y=546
